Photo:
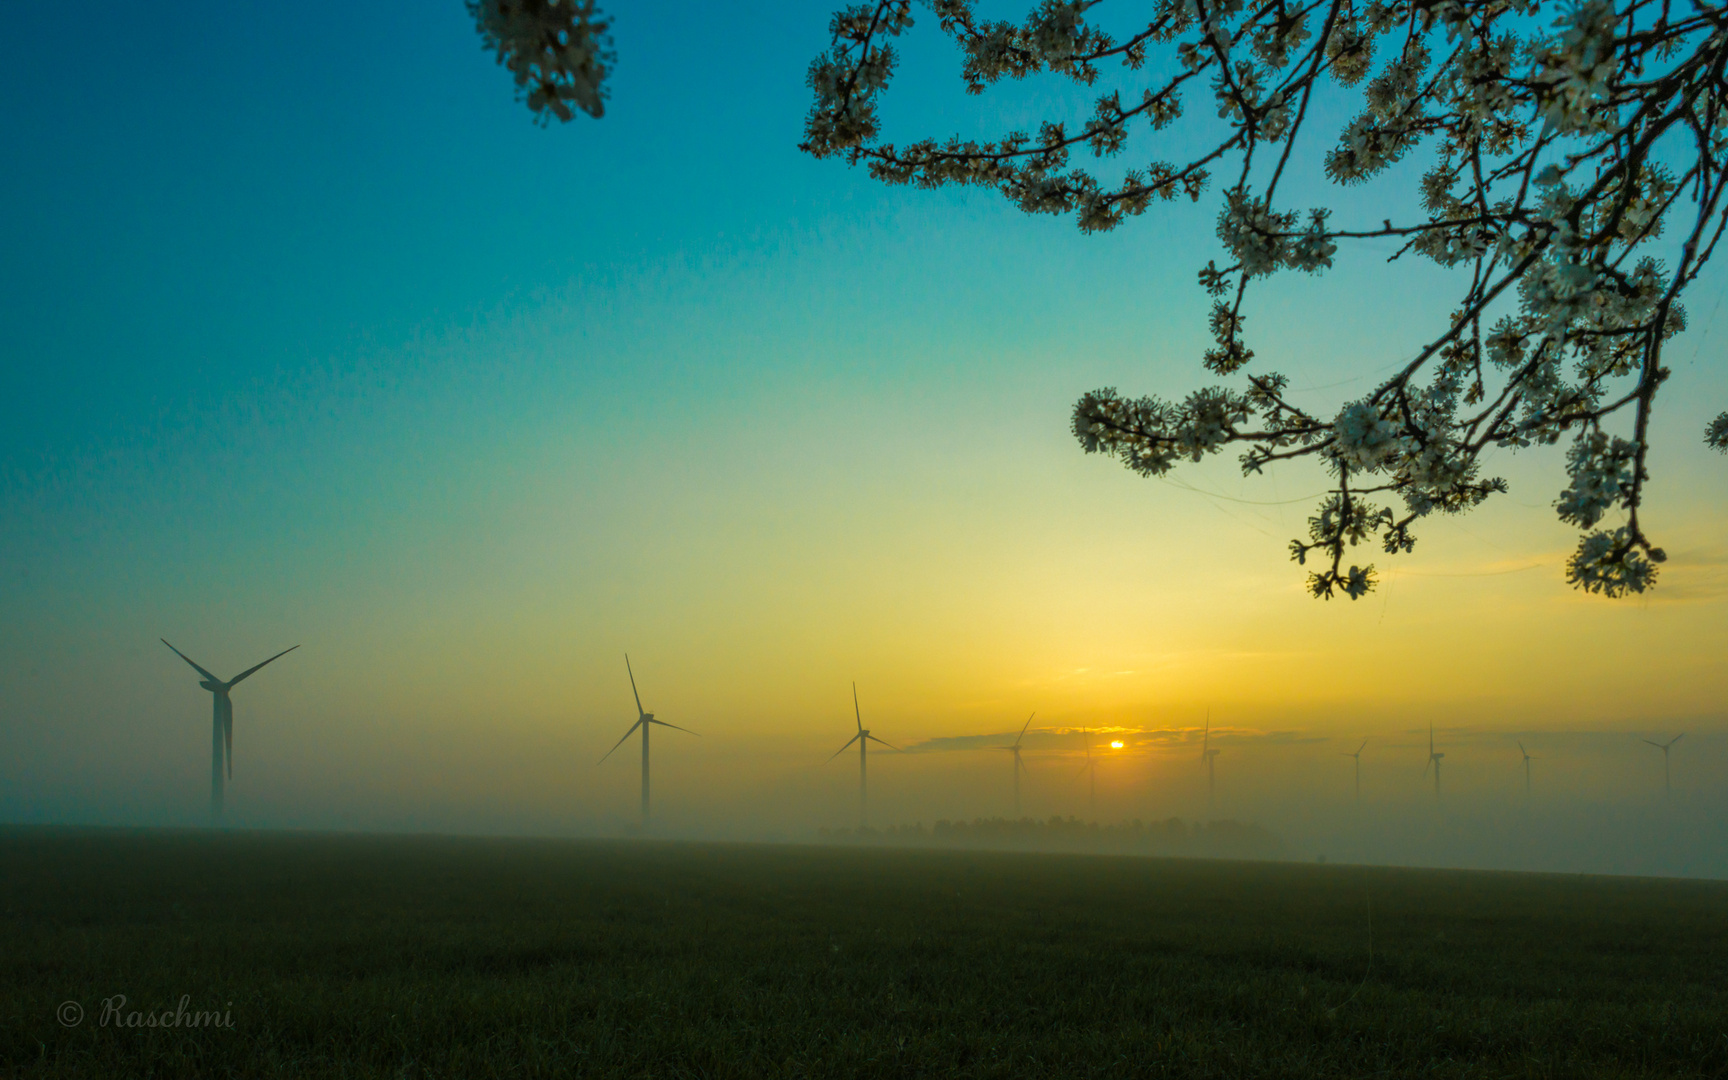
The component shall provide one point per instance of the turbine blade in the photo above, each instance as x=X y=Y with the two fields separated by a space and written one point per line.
x=843 y=749
x=620 y=742
x=255 y=667
x=1657 y=745
x=1023 y=728
x=1425 y=765
x=633 y=693
x=856 y=715
x=191 y=661
x=1361 y=748
x=1676 y=738
x=884 y=742
x=675 y=727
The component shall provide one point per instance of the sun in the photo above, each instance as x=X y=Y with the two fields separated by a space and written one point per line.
x=1116 y=744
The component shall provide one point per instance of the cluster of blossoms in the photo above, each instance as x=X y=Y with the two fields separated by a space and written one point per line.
x=1563 y=137
x=1606 y=471
x=1717 y=433
x=558 y=51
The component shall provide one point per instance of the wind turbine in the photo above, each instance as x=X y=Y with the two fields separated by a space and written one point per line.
x=222 y=721
x=1019 y=766
x=1434 y=760
x=1663 y=746
x=1209 y=754
x=863 y=739
x=1527 y=760
x=1358 y=756
x=1090 y=770
x=644 y=720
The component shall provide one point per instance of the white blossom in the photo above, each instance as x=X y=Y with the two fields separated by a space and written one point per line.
x=1603 y=469
x=557 y=50
x=1563 y=138
x=1362 y=438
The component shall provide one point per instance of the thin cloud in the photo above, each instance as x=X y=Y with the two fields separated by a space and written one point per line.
x=1596 y=739
x=1704 y=556
x=1691 y=576
x=1039 y=739
x=1225 y=736
x=1493 y=568
x=1073 y=739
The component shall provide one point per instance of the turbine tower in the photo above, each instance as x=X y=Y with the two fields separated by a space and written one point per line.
x=1434 y=760
x=1527 y=760
x=644 y=720
x=1019 y=766
x=1663 y=746
x=1208 y=755
x=222 y=721
x=863 y=739
x=1358 y=757
x=1090 y=771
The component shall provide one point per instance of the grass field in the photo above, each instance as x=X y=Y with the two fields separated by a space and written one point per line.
x=352 y=956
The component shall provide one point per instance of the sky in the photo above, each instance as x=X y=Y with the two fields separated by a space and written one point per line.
x=312 y=337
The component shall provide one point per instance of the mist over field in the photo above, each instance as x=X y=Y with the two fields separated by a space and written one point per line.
x=1596 y=801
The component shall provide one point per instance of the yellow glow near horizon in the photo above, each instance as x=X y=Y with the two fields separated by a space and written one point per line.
x=1116 y=744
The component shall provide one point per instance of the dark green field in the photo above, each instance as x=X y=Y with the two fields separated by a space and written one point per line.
x=420 y=957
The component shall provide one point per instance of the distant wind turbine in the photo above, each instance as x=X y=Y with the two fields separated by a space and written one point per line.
x=863 y=739
x=644 y=720
x=1019 y=765
x=1208 y=755
x=1433 y=760
x=1090 y=770
x=1527 y=760
x=1663 y=746
x=1358 y=757
x=222 y=721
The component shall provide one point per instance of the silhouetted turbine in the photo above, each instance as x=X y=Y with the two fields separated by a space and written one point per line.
x=644 y=720
x=863 y=739
x=1019 y=766
x=1434 y=760
x=1527 y=760
x=1358 y=757
x=1207 y=756
x=1666 y=790
x=222 y=721
x=1090 y=771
